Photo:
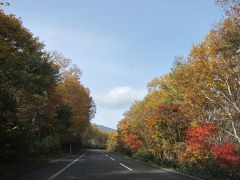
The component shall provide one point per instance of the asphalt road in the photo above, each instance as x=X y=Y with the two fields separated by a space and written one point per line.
x=99 y=165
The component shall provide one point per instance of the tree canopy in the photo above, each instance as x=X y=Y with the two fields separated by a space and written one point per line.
x=43 y=105
x=190 y=117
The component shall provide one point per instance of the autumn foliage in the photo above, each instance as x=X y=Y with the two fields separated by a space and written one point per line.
x=198 y=145
x=200 y=148
x=190 y=117
x=226 y=155
x=44 y=107
x=132 y=142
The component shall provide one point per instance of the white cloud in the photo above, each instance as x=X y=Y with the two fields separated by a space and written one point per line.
x=120 y=97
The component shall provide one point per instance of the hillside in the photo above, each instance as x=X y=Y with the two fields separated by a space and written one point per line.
x=105 y=128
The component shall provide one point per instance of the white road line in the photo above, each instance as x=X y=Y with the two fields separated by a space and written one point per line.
x=126 y=167
x=106 y=155
x=174 y=171
x=63 y=169
x=112 y=158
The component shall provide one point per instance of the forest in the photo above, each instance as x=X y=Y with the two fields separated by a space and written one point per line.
x=190 y=118
x=44 y=107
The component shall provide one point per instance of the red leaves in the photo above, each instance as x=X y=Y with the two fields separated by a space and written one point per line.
x=226 y=155
x=199 y=148
x=133 y=142
x=198 y=134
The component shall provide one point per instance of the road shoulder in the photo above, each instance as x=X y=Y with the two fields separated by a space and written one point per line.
x=155 y=166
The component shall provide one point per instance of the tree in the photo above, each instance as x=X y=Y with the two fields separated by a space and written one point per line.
x=95 y=138
x=215 y=64
x=27 y=78
x=43 y=105
x=165 y=129
x=201 y=149
x=112 y=142
x=191 y=115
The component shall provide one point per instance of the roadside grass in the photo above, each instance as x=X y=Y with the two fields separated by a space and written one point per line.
x=13 y=168
x=208 y=173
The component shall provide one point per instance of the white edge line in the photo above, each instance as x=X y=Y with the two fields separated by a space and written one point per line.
x=176 y=172
x=166 y=169
x=112 y=158
x=63 y=169
x=125 y=166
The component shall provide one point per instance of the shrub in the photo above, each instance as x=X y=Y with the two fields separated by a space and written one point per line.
x=50 y=144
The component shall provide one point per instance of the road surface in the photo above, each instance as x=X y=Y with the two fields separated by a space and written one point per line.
x=99 y=165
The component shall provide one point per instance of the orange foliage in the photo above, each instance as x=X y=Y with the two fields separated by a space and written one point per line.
x=132 y=142
x=226 y=155
x=200 y=149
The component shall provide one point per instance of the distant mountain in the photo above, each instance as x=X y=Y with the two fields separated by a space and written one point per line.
x=105 y=129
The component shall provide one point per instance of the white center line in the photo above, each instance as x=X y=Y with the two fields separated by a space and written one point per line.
x=63 y=169
x=126 y=167
x=112 y=158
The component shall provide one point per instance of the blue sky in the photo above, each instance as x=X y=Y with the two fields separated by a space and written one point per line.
x=120 y=45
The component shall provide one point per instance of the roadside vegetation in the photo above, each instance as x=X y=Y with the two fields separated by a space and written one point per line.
x=44 y=107
x=190 y=118
x=95 y=138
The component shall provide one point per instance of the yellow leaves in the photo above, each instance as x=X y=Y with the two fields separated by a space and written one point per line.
x=194 y=124
x=112 y=141
x=75 y=95
x=154 y=85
